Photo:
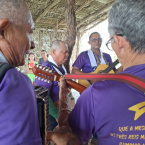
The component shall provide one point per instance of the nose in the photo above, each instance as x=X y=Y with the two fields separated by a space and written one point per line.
x=32 y=45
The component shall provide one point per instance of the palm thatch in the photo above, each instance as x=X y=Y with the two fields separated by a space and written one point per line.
x=50 y=14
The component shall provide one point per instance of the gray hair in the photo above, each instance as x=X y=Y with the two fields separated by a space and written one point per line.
x=56 y=45
x=128 y=18
x=16 y=11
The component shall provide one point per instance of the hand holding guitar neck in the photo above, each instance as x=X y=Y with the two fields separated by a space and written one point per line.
x=46 y=74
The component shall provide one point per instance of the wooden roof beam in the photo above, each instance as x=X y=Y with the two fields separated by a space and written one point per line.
x=96 y=13
x=79 y=9
x=46 y=10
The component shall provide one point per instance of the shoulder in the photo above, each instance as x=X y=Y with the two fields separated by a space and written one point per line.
x=40 y=59
x=14 y=74
x=47 y=64
x=109 y=88
x=106 y=55
x=83 y=54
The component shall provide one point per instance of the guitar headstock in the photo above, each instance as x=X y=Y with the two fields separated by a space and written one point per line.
x=45 y=73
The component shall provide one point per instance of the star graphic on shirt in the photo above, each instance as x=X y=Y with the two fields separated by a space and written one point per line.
x=139 y=110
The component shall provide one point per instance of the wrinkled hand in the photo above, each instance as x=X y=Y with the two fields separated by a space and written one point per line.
x=64 y=90
x=63 y=136
x=60 y=136
x=56 y=104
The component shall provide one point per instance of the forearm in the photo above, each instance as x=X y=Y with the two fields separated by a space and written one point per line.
x=64 y=107
x=75 y=70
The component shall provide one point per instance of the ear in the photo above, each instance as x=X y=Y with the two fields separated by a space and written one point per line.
x=53 y=51
x=89 y=42
x=4 y=23
x=119 y=41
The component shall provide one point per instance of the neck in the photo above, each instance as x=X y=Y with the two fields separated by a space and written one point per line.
x=45 y=58
x=55 y=59
x=96 y=51
x=133 y=59
x=31 y=60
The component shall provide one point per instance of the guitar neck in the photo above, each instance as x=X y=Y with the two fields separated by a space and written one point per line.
x=80 y=88
x=51 y=75
x=108 y=69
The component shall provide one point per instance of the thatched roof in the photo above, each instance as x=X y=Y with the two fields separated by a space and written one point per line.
x=50 y=14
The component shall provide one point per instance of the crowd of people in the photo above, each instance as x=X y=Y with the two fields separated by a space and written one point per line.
x=109 y=112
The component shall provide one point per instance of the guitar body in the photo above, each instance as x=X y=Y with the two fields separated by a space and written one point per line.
x=100 y=69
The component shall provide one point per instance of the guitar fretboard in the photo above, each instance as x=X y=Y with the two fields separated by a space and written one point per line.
x=108 y=69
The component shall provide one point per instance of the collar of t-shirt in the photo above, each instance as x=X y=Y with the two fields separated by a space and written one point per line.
x=50 y=59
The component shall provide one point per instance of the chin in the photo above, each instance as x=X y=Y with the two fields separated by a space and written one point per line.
x=97 y=48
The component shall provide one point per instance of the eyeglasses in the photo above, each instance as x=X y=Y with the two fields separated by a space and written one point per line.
x=94 y=40
x=108 y=44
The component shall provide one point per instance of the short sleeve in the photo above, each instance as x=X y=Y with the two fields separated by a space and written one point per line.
x=80 y=61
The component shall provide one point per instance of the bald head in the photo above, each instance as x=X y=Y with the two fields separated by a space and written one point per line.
x=16 y=11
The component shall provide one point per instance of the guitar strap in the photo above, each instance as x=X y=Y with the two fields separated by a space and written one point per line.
x=130 y=79
x=3 y=69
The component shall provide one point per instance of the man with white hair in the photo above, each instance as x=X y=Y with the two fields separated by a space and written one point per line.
x=58 y=55
x=18 y=108
x=114 y=110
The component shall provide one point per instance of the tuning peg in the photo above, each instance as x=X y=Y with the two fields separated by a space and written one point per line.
x=48 y=81
x=50 y=71
x=47 y=69
x=36 y=77
x=42 y=79
x=40 y=67
x=43 y=68
x=45 y=80
x=39 y=78
x=54 y=77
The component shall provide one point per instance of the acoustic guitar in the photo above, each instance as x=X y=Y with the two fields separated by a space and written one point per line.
x=103 y=68
x=46 y=75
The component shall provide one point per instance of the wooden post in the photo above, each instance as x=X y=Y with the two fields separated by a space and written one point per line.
x=71 y=28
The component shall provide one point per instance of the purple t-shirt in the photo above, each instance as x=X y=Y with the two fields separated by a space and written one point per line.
x=52 y=86
x=105 y=109
x=18 y=111
x=83 y=62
